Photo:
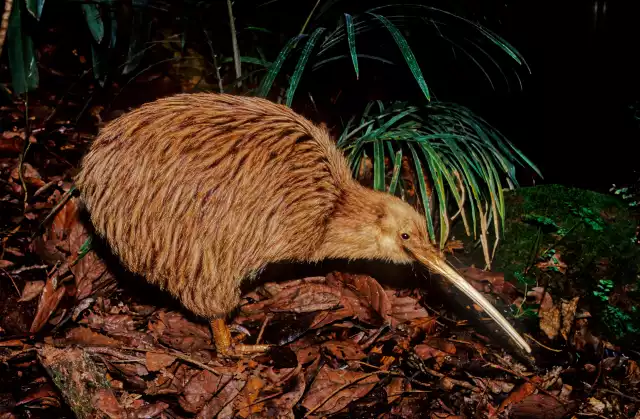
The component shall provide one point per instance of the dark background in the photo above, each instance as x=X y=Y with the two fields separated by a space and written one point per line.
x=572 y=117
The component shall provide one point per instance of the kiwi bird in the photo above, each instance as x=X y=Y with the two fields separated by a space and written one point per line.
x=198 y=192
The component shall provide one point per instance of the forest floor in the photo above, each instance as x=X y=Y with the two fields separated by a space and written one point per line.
x=77 y=339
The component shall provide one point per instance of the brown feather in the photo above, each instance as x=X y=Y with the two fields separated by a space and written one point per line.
x=196 y=192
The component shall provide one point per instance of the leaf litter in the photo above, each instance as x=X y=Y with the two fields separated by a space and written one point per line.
x=346 y=344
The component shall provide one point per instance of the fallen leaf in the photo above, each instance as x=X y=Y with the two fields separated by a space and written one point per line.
x=201 y=388
x=4 y=264
x=395 y=388
x=344 y=350
x=549 y=317
x=367 y=298
x=347 y=386
x=404 y=309
x=282 y=407
x=222 y=399
x=84 y=336
x=304 y=299
x=157 y=361
x=568 y=311
x=518 y=395
x=31 y=290
x=50 y=297
x=554 y=263
x=245 y=403
x=149 y=410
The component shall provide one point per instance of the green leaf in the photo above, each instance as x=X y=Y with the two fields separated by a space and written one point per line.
x=34 y=7
x=339 y=57
x=94 y=20
x=397 y=166
x=423 y=192
x=407 y=53
x=136 y=41
x=21 y=52
x=270 y=77
x=99 y=59
x=351 y=38
x=248 y=60
x=258 y=29
x=378 y=166
x=302 y=62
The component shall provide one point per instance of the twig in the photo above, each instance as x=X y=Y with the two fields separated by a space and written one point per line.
x=12 y=280
x=342 y=387
x=55 y=209
x=306 y=22
x=617 y=393
x=27 y=145
x=28 y=268
x=215 y=61
x=177 y=355
x=540 y=344
x=264 y=325
x=234 y=43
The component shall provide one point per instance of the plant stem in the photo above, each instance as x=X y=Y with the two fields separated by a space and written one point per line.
x=234 y=43
x=304 y=27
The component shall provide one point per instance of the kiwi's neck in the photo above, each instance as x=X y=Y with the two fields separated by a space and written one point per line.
x=354 y=228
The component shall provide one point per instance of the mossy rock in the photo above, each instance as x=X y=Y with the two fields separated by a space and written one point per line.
x=593 y=234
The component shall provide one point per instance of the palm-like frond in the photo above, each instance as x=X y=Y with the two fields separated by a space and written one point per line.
x=458 y=153
x=474 y=41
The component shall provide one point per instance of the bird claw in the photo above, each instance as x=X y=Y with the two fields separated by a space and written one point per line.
x=240 y=350
x=224 y=347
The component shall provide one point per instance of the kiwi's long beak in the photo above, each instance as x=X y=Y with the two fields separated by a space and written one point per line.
x=440 y=266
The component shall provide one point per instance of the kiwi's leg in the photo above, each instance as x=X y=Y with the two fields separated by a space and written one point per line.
x=222 y=340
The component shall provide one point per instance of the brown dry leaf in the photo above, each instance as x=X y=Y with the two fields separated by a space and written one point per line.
x=44 y=395
x=444 y=415
x=222 y=399
x=11 y=142
x=282 y=407
x=31 y=290
x=539 y=406
x=87 y=337
x=395 y=388
x=344 y=350
x=304 y=299
x=245 y=403
x=427 y=352
x=174 y=330
x=171 y=380
x=549 y=317
x=4 y=264
x=554 y=263
x=633 y=373
x=29 y=174
x=404 y=309
x=516 y=396
x=106 y=403
x=321 y=398
x=568 y=310
x=87 y=271
x=65 y=236
x=367 y=298
x=51 y=296
x=157 y=361
x=201 y=388
x=149 y=410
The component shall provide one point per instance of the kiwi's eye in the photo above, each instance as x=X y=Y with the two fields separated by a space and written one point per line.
x=404 y=236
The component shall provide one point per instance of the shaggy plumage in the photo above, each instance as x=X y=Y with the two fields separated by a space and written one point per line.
x=196 y=192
